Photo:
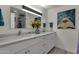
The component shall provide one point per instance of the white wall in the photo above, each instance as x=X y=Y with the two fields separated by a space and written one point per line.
x=44 y=17
x=67 y=37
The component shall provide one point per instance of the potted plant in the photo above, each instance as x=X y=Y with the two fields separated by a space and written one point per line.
x=36 y=24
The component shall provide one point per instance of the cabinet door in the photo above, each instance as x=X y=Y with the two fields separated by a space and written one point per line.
x=13 y=48
x=5 y=52
x=47 y=42
x=30 y=51
x=34 y=49
x=51 y=38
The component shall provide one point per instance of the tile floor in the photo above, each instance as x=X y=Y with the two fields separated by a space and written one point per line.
x=58 y=51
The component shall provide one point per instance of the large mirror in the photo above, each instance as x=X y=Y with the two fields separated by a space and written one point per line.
x=18 y=18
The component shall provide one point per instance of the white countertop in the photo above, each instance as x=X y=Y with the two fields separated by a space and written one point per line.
x=16 y=38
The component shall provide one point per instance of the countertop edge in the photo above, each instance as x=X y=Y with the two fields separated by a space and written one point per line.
x=24 y=38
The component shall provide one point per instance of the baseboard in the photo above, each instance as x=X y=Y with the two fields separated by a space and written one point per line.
x=51 y=50
x=67 y=50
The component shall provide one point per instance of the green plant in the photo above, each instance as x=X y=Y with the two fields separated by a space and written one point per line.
x=36 y=24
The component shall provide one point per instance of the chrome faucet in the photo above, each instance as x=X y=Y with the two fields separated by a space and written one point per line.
x=19 y=32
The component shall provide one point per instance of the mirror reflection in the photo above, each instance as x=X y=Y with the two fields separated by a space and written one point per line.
x=18 y=18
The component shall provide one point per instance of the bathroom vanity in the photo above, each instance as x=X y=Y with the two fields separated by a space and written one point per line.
x=28 y=44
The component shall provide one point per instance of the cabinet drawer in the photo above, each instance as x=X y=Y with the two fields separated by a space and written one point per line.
x=37 y=45
x=5 y=52
x=13 y=48
x=34 y=49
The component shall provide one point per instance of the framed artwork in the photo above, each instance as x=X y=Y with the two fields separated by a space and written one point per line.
x=20 y=21
x=1 y=19
x=66 y=19
x=44 y=25
x=18 y=18
x=51 y=25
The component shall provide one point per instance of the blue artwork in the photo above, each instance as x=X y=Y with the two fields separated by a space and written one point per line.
x=66 y=19
x=1 y=19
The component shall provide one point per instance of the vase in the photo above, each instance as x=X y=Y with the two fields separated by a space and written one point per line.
x=37 y=31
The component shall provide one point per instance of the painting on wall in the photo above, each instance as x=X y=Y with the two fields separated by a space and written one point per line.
x=1 y=19
x=18 y=18
x=20 y=21
x=51 y=24
x=66 y=19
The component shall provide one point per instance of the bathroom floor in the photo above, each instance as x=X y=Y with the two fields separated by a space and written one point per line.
x=59 y=51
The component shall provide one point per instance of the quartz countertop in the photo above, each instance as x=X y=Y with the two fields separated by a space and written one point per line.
x=16 y=38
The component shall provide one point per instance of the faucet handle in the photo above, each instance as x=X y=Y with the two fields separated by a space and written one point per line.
x=19 y=32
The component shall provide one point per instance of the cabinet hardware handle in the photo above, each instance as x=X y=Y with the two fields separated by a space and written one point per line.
x=25 y=52
x=28 y=51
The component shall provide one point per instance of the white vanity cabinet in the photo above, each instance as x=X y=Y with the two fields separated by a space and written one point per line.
x=37 y=45
x=48 y=42
x=38 y=48
x=45 y=44
x=17 y=46
x=34 y=49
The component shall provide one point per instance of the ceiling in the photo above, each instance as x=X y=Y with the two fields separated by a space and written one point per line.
x=50 y=6
x=41 y=7
x=37 y=7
